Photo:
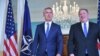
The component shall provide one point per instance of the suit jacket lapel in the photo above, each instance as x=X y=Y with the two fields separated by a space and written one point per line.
x=89 y=30
x=51 y=28
x=43 y=29
x=81 y=30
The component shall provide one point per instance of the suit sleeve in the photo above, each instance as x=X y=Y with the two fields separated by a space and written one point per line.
x=35 y=42
x=70 y=41
x=59 y=41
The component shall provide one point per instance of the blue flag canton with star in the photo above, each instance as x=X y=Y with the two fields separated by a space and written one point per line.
x=98 y=21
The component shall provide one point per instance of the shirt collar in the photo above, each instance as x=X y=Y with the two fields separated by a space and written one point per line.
x=48 y=22
x=87 y=22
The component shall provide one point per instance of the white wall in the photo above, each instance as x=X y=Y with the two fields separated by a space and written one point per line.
x=20 y=11
x=3 y=6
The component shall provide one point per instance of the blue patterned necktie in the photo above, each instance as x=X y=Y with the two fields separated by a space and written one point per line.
x=85 y=30
x=47 y=30
x=85 y=33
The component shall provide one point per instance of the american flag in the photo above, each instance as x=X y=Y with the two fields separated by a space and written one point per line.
x=10 y=40
x=98 y=22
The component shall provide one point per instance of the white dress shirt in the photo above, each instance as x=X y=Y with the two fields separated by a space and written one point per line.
x=87 y=26
x=50 y=22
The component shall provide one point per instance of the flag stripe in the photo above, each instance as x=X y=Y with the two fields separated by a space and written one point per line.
x=6 y=46
x=5 y=53
x=12 y=51
x=13 y=41
x=13 y=45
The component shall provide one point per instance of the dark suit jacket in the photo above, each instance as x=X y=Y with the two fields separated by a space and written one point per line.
x=78 y=43
x=53 y=43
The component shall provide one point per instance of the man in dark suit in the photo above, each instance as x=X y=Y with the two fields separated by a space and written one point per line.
x=48 y=39
x=83 y=36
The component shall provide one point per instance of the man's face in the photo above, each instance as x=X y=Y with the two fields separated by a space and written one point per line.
x=48 y=14
x=83 y=15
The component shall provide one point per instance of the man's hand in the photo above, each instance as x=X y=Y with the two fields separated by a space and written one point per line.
x=98 y=46
x=33 y=55
x=72 y=54
x=58 y=55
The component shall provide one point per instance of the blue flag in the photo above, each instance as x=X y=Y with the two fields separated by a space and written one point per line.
x=98 y=20
x=27 y=33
